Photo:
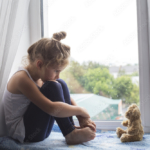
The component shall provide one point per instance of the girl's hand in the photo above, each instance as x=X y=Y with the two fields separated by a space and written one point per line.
x=86 y=122
x=77 y=127
x=84 y=113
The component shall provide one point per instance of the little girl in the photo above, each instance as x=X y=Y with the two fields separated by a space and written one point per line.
x=35 y=96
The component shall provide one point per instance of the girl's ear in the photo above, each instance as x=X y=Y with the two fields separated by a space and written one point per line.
x=39 y=64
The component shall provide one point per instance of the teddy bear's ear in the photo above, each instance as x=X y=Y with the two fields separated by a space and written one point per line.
x=134 y=105
x=136 y=113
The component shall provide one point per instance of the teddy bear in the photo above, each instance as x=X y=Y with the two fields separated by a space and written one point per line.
x=134 y=131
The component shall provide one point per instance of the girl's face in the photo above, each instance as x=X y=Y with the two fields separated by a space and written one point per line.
x=51 y=73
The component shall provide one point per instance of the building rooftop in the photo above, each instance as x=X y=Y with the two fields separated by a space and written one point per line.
x=115 y=69
x=93 y=103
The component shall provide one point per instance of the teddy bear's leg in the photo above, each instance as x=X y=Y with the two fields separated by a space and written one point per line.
x=120 y=131
x=130 y=138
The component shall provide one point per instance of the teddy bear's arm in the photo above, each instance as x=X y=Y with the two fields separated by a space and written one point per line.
x=125 y=123
x=133 y=131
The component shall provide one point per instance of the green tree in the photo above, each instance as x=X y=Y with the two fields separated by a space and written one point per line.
x=134 y=97
x=72 y=83
x=104 y=88
x=91 y=77
x=77 y=71
x=97 y=80
x=123 y=86
x=92 y=65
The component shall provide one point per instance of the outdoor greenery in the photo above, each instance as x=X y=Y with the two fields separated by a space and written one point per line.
x=92 y=77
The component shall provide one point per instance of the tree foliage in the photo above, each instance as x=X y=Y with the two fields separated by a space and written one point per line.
x=92 y=77
x=123 y=86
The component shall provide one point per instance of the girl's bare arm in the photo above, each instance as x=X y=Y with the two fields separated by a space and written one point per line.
x=57 y=109
x=74 y=104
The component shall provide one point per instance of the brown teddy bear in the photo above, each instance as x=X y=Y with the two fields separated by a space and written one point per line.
x=134 y=131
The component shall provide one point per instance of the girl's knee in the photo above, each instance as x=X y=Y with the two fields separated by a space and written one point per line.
x=54 y=81
x=62 y=81
x=51 y=84
x=53 y=91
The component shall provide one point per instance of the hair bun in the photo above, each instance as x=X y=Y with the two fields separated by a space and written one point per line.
x=59 y=35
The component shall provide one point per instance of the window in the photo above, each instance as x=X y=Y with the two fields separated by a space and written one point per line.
x=103 y=75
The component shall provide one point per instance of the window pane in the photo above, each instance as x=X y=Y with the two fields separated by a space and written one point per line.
x=103 y=75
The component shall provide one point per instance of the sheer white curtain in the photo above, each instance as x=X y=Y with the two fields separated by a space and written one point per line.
x=12 y=20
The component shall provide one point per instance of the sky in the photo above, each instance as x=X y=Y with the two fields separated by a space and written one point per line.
x=103 y=31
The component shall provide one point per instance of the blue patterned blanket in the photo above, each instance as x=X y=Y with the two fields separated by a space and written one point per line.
x=104 y=140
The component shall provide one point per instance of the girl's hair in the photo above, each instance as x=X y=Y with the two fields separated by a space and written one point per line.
x=50 y=50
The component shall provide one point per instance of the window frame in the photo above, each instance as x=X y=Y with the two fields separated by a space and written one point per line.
x=144 y=67
x=143 y=12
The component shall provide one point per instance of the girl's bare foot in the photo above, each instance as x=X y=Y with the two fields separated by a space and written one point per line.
x=77 y=136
